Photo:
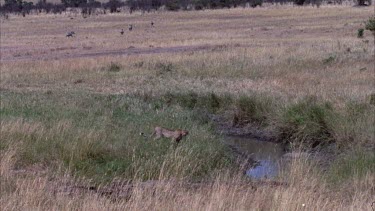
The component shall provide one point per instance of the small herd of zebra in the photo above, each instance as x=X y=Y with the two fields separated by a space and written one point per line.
x=72 y=33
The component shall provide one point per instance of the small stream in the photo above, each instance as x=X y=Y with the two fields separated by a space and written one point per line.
x=267 y=154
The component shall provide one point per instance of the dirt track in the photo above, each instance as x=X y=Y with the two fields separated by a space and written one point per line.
x=86 y=54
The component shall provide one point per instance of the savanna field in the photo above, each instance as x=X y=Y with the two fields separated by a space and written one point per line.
x=77 y=112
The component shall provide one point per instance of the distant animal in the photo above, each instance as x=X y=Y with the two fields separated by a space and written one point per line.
x=175 y=135
x=70 y=34
x=130 y=27
x=152 y=23
x=122 y=31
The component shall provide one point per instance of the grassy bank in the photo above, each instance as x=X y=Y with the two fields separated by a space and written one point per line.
x=308 y=123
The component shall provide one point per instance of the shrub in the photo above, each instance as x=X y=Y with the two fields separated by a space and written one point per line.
x=360 y=33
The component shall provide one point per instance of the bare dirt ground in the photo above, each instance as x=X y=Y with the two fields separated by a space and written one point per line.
x=61 y=53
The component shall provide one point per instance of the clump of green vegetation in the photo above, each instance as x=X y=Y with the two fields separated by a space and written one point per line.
x=360 y=32
x=306 y=123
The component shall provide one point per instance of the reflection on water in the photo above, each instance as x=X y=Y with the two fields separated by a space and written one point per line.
x=266 y=153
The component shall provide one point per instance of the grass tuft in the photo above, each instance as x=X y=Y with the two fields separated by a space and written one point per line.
x=306 y=123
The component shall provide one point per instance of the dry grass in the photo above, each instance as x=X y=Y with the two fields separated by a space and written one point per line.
x=304 y=189
x=281 y=51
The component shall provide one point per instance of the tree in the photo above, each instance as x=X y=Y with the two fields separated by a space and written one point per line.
x=113 y=5
x=73 y=3
x=299 y=2
x=13 y=5
x=363 y=2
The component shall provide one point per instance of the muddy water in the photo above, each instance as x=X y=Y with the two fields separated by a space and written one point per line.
x=267 y=154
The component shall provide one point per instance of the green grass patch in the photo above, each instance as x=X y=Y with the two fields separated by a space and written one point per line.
x=252 y=108
x=210 y=102
x=98 y=136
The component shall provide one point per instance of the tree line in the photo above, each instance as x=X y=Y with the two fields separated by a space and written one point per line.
x=88 y=6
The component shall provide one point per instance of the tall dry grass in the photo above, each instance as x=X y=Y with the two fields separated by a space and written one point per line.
x=299 y=188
